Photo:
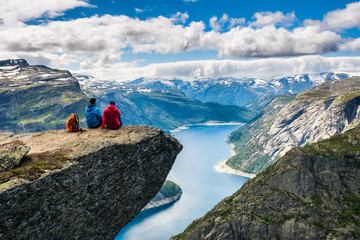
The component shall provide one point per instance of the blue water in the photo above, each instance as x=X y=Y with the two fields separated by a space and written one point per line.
x=203 y=187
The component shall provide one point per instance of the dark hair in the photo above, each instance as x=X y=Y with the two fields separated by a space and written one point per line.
x=112 y=102
x=92 y=100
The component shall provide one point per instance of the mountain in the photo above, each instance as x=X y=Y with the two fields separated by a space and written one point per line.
x=169 y=193
x=315 y=114
x=312 y=192
x=238 y=91
x=163 y=108
x=83 y=185
x=37 y=98
x=250 y=139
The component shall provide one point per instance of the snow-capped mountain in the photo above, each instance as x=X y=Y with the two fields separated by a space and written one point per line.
x=238 y=91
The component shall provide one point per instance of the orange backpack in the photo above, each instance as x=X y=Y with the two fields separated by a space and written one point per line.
x=72 y=124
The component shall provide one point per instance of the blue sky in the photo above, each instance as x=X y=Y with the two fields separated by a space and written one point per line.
x=189 y=39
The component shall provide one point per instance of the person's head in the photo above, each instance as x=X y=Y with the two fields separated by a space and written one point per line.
x=112 y=102
x=92 y=101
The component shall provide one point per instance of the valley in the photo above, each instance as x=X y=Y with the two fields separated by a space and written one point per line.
x=279 y=114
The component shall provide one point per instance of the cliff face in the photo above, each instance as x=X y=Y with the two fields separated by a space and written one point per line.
x=107 y=177
x=250 y=139
x=316 y=114
x=312 y=192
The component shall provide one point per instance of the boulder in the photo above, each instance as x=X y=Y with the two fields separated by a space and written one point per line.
x=11 y=155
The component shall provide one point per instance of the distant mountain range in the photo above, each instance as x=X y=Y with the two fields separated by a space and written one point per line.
x=239 y=91
x=38 y=98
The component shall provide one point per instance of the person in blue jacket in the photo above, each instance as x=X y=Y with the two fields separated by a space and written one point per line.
x=93 y=115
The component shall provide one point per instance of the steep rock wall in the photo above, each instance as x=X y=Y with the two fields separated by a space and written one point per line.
x=111 y=176
x=316 y=114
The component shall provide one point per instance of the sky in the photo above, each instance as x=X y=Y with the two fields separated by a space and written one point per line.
x=127 y=39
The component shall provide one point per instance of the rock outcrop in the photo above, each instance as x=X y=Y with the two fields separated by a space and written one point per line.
x=11 y=155
x=169 y=193
x=249 y=140
x=89 y=184
x=316 y=114
x=312 y=192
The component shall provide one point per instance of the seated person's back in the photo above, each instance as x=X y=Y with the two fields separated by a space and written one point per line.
x=93 y=115
x=111 y=117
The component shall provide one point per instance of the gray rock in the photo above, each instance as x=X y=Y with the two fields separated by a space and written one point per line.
x=11 y=155
x=316 y=114
x=112 y=176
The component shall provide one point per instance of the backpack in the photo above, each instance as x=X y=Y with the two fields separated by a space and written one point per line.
x=72 y=124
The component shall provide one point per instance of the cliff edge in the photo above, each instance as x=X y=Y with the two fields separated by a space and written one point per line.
x=82 y=185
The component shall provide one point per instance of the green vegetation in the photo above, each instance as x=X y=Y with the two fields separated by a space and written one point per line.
x=248 y=140
x=170 y=189
x=33 y=166
x=169 y=110
x=347 y=97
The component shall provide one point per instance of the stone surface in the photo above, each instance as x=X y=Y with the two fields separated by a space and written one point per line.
x=312 y=192
x=11 y=155
x=316 y=114
x=111 y=176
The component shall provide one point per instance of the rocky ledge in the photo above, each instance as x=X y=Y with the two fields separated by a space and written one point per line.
x=83 y=185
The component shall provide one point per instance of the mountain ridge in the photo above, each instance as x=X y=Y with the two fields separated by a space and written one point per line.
x=315 y=114
x=38 y=98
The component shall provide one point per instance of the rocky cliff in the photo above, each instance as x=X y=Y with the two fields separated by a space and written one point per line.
x=82 y=185
x=312 y=192
x=316 y=114
x=37 y=98
x=250 y=139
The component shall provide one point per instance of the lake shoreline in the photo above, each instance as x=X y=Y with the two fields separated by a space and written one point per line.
x=221 y=166
x=224 y=168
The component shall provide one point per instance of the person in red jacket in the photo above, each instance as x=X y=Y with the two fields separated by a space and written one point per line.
x=111 y=117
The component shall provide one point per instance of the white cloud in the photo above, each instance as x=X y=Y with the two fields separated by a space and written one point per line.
x=344 y=18
x=98 y=42
x=352 y=45
x=179 y=17
x=272 y=18
x=15 y=12
x=220 y=25
x=262 y=68
x=100 y=35
x=138 y=10
x=271 y=41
